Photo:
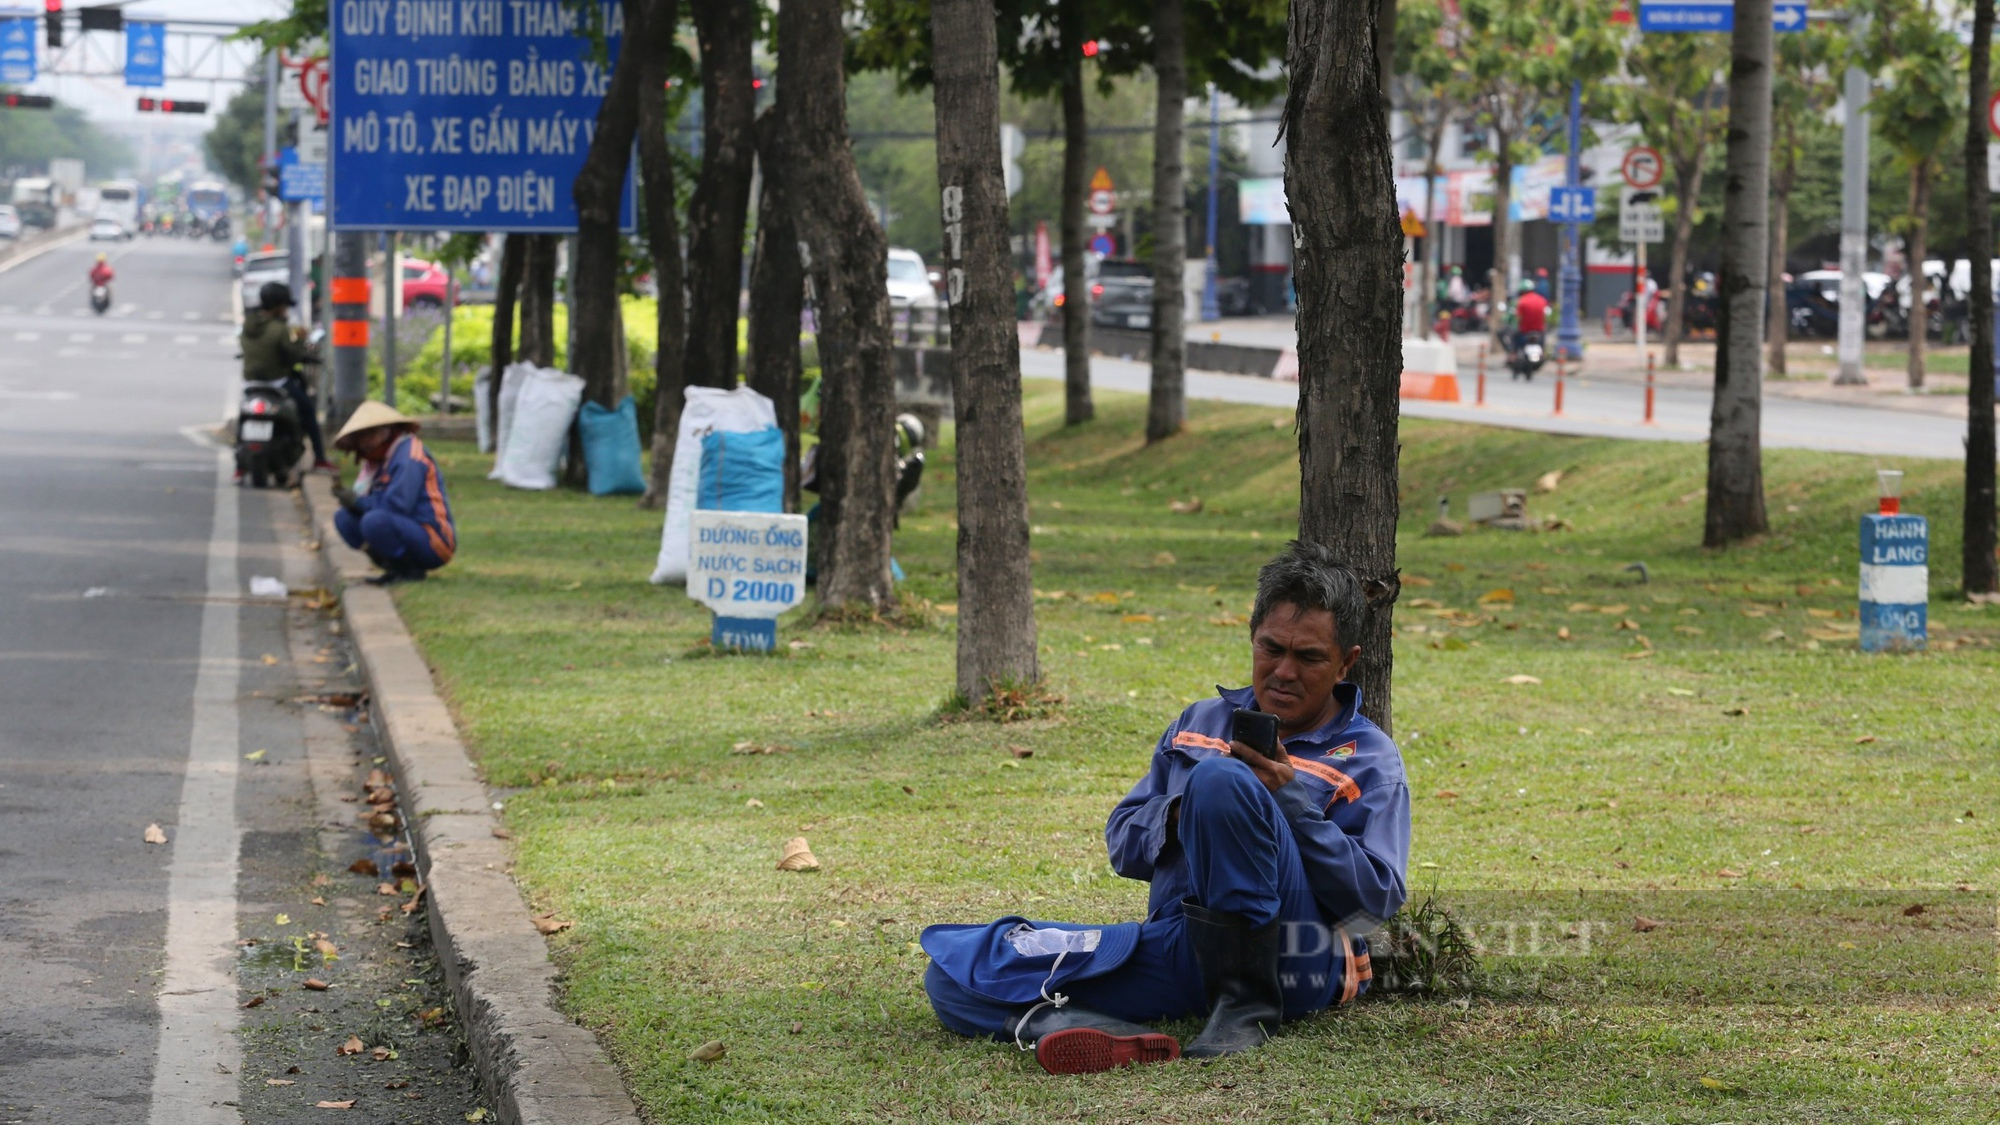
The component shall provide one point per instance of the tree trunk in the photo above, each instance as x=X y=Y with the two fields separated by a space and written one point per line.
x=1778 y=331
x=1920 y=232
x=846 y=260
x=538 y=301
x=1499 y=299
x=598 y=328
x=777 y=297
x=725 y=30
x=1385 y=53
x=663 y=243
x=1077 y=407
x=513 y=263
x=1166 y=410
x=1982 y=569
x=1688 y=181
x=1735 y=425
x=996 y=596
x=1348 y=272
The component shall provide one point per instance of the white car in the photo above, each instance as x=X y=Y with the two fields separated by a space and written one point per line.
x=108 y=230
x=263 y=266
x=909 y=282
x=10 y=222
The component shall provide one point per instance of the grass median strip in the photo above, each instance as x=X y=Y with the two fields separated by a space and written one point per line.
x=1701 y=749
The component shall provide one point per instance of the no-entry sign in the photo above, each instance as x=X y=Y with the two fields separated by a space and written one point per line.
x=1642 y=167
x=1993 y=114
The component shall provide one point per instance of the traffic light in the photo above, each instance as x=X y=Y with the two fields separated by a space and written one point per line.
x=273 y=179
x=27 y=101
x=102 y=18
x=52 y=19
x=171 y=105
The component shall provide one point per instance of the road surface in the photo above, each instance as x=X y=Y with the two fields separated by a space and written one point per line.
x=142 y=685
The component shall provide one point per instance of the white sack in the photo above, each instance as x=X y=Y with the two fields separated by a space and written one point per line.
x=539 y=431
x=510 y=394
x=708 y=410
x=482 y=409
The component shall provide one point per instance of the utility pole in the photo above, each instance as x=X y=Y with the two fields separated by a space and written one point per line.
x=1569 y=335
x=297 y=249
x=1211 y=308
x=349 y=305
x=389 y=311
x=270 y=130
x=1854 y=220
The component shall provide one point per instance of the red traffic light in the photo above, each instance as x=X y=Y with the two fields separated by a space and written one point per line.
x=170 y=105
x=52 y=5
x=1090 y=49
x=27 y=101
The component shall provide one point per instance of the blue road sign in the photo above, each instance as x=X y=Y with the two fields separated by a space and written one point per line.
x=1711 y=15
x=17 y=50
x=473 y=115
x=1103 y=245
x=1573 y=204
x=145 y=54
x=298 y=181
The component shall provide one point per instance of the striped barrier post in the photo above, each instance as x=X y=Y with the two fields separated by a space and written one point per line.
x=1895 y=573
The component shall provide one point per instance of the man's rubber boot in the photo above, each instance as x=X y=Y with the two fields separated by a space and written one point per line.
x=1239 y=968
x=1079 y=1041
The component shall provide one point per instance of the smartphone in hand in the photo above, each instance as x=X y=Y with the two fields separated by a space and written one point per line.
x=1257 y=730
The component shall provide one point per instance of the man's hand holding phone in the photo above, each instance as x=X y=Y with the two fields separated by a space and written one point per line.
x=1253 y=738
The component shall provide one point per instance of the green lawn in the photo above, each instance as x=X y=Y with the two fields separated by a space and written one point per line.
x=1706 y=750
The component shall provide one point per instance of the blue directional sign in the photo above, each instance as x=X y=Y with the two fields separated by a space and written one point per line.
x=1711 y=15
x=1573 y=204
x=145 y=54
x=297 y=180
x=472 y=115
x=17 y=51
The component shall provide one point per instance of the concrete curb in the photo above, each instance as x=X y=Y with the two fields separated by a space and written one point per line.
x=537 y=1066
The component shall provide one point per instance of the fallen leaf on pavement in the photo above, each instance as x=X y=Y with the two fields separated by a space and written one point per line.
x=431 y=1016
x=348 y=1104
x=709 y=1051
x=382 y=1054
x=797 y=856
x=353 y=1046
x=255 y=755
x=283 y=920
x=385 y=888
x=410 y=907
x=268 y=658
x=397 y=1084
x=326 y=948
x=254 y=1002
x=314 y=984
x=547 y=924
x=280 y=1082
x=477 y=1114
x=154 y=835
x=364 y=866
x=502 y=834
x=318 y=900
x=1522 y=678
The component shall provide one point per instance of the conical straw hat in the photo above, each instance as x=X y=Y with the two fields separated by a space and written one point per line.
x=368 y=416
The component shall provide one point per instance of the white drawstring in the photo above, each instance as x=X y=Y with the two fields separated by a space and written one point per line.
x=1056 y=1001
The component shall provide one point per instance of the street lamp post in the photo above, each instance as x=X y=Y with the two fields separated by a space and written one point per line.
x=1211 y=309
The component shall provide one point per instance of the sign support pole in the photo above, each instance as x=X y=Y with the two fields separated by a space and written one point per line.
x=1854 y=225
x=349 y=303
x=1569 y=336
x=1211 y=308
x=271 y=74
x=389 y=311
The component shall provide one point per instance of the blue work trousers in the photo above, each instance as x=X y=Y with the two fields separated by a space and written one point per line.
x=393 y=541
x=1241 y=859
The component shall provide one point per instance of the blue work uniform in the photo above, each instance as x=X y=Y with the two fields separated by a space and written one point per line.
x=1326 y=856
x=404 y=520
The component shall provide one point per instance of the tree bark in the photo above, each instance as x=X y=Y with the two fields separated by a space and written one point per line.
x=1077 y=405
x=1735 y=425
x=1166 y=410
x=1687 y=181
x=1920 y=231
x=538 y=301
x=777 y=297
x=599 y=191
x=513 y=264
x=1348 y=272
x=725 y=30
x=996 y=596
x=1499 y=299
x=846 y=260
x=1981 y=567
x=663 y=243
x=1779 y=329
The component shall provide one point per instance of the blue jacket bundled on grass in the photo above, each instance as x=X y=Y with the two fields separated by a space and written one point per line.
x=1268 y=868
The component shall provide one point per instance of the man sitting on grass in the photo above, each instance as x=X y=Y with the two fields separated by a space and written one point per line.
x=400 y=517
x=1266 y=871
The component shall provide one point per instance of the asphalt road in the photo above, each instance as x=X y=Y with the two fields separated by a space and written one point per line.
x=141 y=684
x=1591 y=407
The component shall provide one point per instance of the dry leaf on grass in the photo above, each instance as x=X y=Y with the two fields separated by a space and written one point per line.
x=1643 y=924
x=1562 y=634
x=314 y=984
x=1414 y=580
x=1736 y=711
x=1548 y=481
x=1726 y=873
x=1912 y=910
x=1447 y=794
x=709 y=1051
x=154 y=835
x=798 y=856
x=1137 y=618
x=1522 y=678
x=753 y=803
x=353 y=1046
x=547 y=924
x=1425 y=603
x=1500 y=596
x=1020 y=751
x=1185 y=507
x=1864 y=740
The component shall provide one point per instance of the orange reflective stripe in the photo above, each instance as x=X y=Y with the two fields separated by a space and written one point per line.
x=1189 y=740
x=350 y=333
x=1344 y=788
x=1350 y=975
x=350 y=290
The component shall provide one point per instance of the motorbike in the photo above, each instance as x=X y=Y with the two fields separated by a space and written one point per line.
x=100 y=298
x=270 y=436
x=219 y=229
x=1527 y=356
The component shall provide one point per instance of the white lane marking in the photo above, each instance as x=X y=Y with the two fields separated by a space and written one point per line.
x=81 y=337
x=194 y=1072
x=186 y=339
x=134 y=337
x=27 y=337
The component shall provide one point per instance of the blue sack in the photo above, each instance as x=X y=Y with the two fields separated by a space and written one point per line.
x=611 y=449
x=742 y=472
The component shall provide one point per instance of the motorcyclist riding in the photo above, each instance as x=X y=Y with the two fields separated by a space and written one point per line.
x=1531 y=319
x=101 y=272
x=272 y=353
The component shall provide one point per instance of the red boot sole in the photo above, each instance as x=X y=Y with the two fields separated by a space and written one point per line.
x=1084 y=1050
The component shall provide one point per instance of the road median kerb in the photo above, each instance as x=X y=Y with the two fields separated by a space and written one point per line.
x=537 y=1066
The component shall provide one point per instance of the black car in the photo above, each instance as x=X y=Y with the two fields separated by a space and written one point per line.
x=1122 y=295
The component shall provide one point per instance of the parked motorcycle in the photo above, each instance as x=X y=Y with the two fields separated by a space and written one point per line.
x=100 y=298
x=1527 y=356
